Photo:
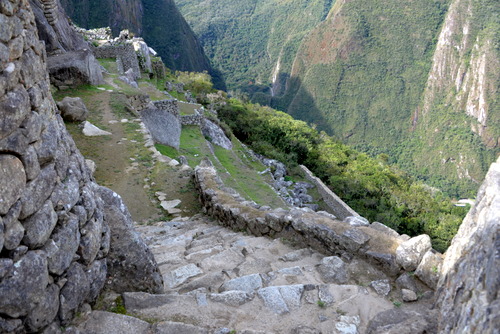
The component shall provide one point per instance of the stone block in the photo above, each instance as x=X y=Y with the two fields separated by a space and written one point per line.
x=39 y=226
x=12 y=182
x=333 y=270
x=410 y=253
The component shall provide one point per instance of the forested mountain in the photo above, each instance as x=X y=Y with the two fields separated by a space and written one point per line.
x=159 y=22
x=415 y=80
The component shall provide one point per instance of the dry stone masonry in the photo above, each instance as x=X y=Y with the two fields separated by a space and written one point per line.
x=54 y=219
x=353 y=237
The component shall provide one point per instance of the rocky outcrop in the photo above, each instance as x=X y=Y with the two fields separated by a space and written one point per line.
x=468 y=291
x=70 y=60
x=54 y=237
x=54 y=28
x=74 y=68
x=215 y=134
x=131 y=265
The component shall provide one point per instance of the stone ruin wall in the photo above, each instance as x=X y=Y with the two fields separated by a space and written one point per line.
x=339 y=208
x=124 y=54
x=53 y=237
x=376 y=243
x=170 y=105
x=192 y=120
x=56 y=245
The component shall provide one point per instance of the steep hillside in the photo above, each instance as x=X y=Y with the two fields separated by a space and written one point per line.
x=458 y=123
x=253 y=42
x=158 y=22
x=416 y=80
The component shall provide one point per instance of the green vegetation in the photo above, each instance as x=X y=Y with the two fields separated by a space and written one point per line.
x=321 y=304
x=370 y=186
x=360 y=75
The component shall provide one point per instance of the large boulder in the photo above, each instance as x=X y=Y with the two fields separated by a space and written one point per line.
x=131 y=265
x=73 y=109
x=215 y=134
x=165 y=127
x=410 y=253
x=74 y=68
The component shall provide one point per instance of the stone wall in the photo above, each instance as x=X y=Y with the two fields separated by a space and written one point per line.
x=192 y=119
x=339 y=208
x=170 y=105
x=375 y=242
x=124 y=53
x=54 y=231
x=469 y=289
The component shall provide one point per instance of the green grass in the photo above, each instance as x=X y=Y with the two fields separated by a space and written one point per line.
x=167 y=151
x=188 y=108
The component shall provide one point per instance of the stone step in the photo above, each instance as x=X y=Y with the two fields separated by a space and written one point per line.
x=216 y=278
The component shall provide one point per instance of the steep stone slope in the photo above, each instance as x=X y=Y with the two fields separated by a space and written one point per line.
x=458 y=122
x=468 y=294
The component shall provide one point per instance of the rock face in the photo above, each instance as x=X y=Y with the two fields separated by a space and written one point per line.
x=216 y=134
x=468 y=291
x=158 y=121
x=54 y=236
x=70 y=60
x=131 y=264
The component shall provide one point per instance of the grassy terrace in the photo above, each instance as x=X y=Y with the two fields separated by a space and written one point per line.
x=236 y=168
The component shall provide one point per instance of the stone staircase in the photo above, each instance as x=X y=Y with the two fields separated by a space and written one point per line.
x=221 y=281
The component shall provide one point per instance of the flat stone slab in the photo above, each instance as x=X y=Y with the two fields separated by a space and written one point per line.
x=91 y=130
x=170 y=204
x=112 y=323
x=180 y=275
x=248 y=283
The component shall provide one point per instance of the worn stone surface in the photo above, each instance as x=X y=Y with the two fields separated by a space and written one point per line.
x=112 y=323
x=382 y=287
x=165 y=127
x=231 y=298
x=131 y=265
x=468 y=290
x=410 y=253
x=333 y=270
x=182 y=274
x=400 y=321
x=408 y=295
x=12 y=182
x=168 y=327
x=91 y=130
x=248 y=283
x=63 y=245
x=215 y=134
x=429 y=269
x=73 y=109
x=23 y=285
x=38 y=227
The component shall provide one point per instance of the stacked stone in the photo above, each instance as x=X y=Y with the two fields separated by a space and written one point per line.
x=353 y=237
x=124 y=53
x=50 y=10
x=170 y=105
x=53 y=237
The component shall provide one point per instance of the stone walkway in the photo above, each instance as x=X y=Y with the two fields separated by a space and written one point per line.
x=221 y=281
